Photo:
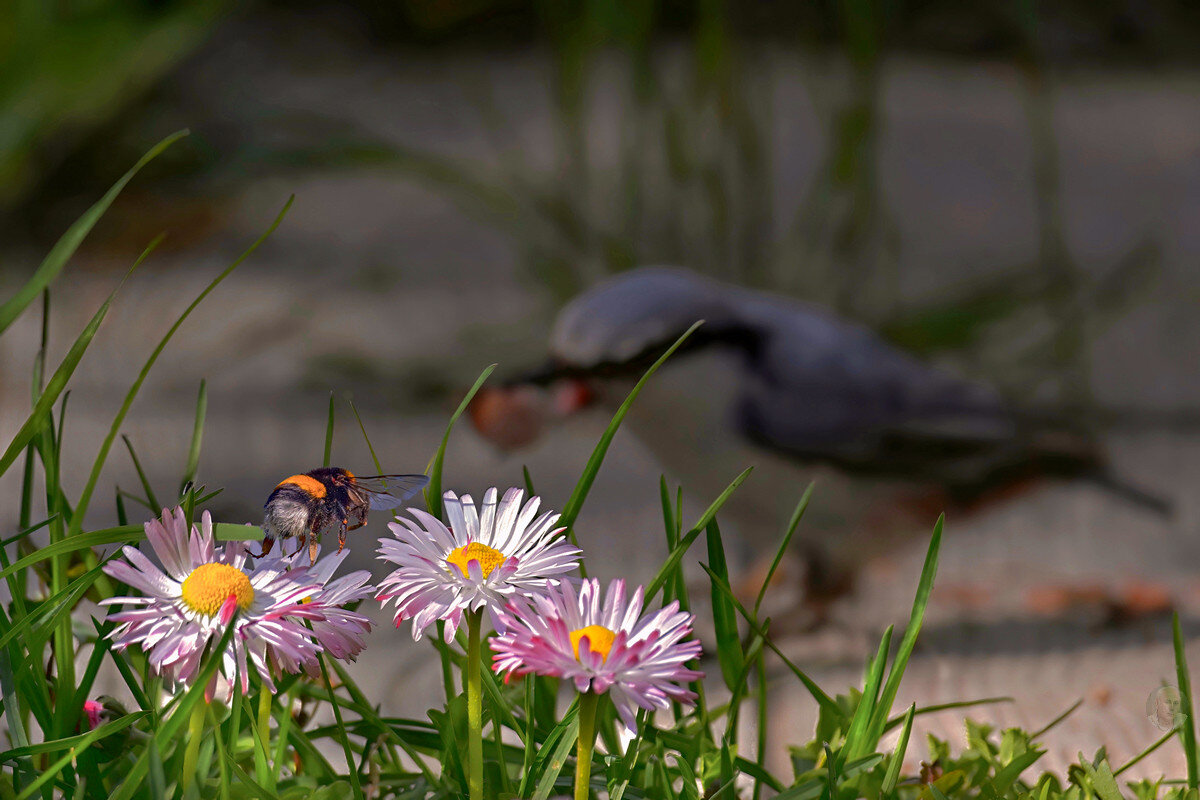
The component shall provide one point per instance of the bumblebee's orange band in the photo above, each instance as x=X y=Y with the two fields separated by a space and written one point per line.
x=349 y=475
x=311 y=485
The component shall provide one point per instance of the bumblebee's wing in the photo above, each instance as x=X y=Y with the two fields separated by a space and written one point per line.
x=391 y=491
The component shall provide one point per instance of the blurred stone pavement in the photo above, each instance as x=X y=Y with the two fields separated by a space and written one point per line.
x=373 y=273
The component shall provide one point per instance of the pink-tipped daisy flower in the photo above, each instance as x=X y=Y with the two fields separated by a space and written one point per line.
x=603 y=645
x=341 y=632
x=483 y=558
x=186 y=606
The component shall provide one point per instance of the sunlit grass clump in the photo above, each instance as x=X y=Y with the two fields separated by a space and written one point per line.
x=234 y=676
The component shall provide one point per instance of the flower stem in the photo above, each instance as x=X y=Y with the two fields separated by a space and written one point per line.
x=195 y=735
x=474 y=709
x=588 y=701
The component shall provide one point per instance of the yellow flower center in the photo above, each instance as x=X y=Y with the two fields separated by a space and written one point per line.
x=209 y=585
x=600 y=640
x=488 y=558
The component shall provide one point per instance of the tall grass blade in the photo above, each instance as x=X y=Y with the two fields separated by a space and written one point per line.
x=84 y=741
x=1187 y=729
x=729 y=644
x=86 y=495
x=151 y=500
x=793 y=524
x=329 y=432
x=915 y=620
x=575 y=501
x=892 y=775
x=433 y=492
x=667 y=570
x=66 y=246
x=193 y=460
x=40 y=414
x=858 y=736
x=826 y=702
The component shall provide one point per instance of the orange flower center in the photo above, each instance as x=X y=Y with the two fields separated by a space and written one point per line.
x=600 y=640
x=488 y=558
x=209 y=585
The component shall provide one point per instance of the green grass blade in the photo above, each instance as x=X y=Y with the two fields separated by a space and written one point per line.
x=124 y=534
x=552 y=757
x=933 y=709
x=1159 y=742
x=1040 y=732
x=667 y=570
x=329 y=432
x=84 y=741
x=367 y=439
x=151 y=500
x=826 y=702
x=54 y=610
x=193 y=461
x=66 y=246
x=170 y=728
x=892 y=775
x=915 y=620
x=858 y=739
x=343 y=738
x=86 y=495
x=793 y=524
x=729 y=642
x=1187 y=730
x=40 y=414
x=433 y=492
x=575 y=502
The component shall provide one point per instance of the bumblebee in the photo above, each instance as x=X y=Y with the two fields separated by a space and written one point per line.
x=304 y=506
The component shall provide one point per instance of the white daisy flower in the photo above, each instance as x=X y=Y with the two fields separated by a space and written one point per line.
x=481 y=560
x=187 y=606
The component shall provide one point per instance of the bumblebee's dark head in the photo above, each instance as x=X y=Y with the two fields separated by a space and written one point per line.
x=333 y=476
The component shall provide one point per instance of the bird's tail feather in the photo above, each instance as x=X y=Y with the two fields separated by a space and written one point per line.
x=1109 y=482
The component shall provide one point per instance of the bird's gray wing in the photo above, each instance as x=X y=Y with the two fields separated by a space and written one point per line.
x=826 y=389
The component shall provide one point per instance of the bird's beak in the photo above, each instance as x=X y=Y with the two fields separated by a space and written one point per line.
x=514 y=416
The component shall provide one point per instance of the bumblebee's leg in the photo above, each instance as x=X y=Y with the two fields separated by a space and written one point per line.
x=342 y=533
x=267 y=543
x=312 y=548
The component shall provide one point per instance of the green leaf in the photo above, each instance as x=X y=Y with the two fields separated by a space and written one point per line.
x=66 y=246
x=999 y=785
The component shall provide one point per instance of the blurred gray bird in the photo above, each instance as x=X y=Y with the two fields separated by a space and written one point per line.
x=789 y=383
